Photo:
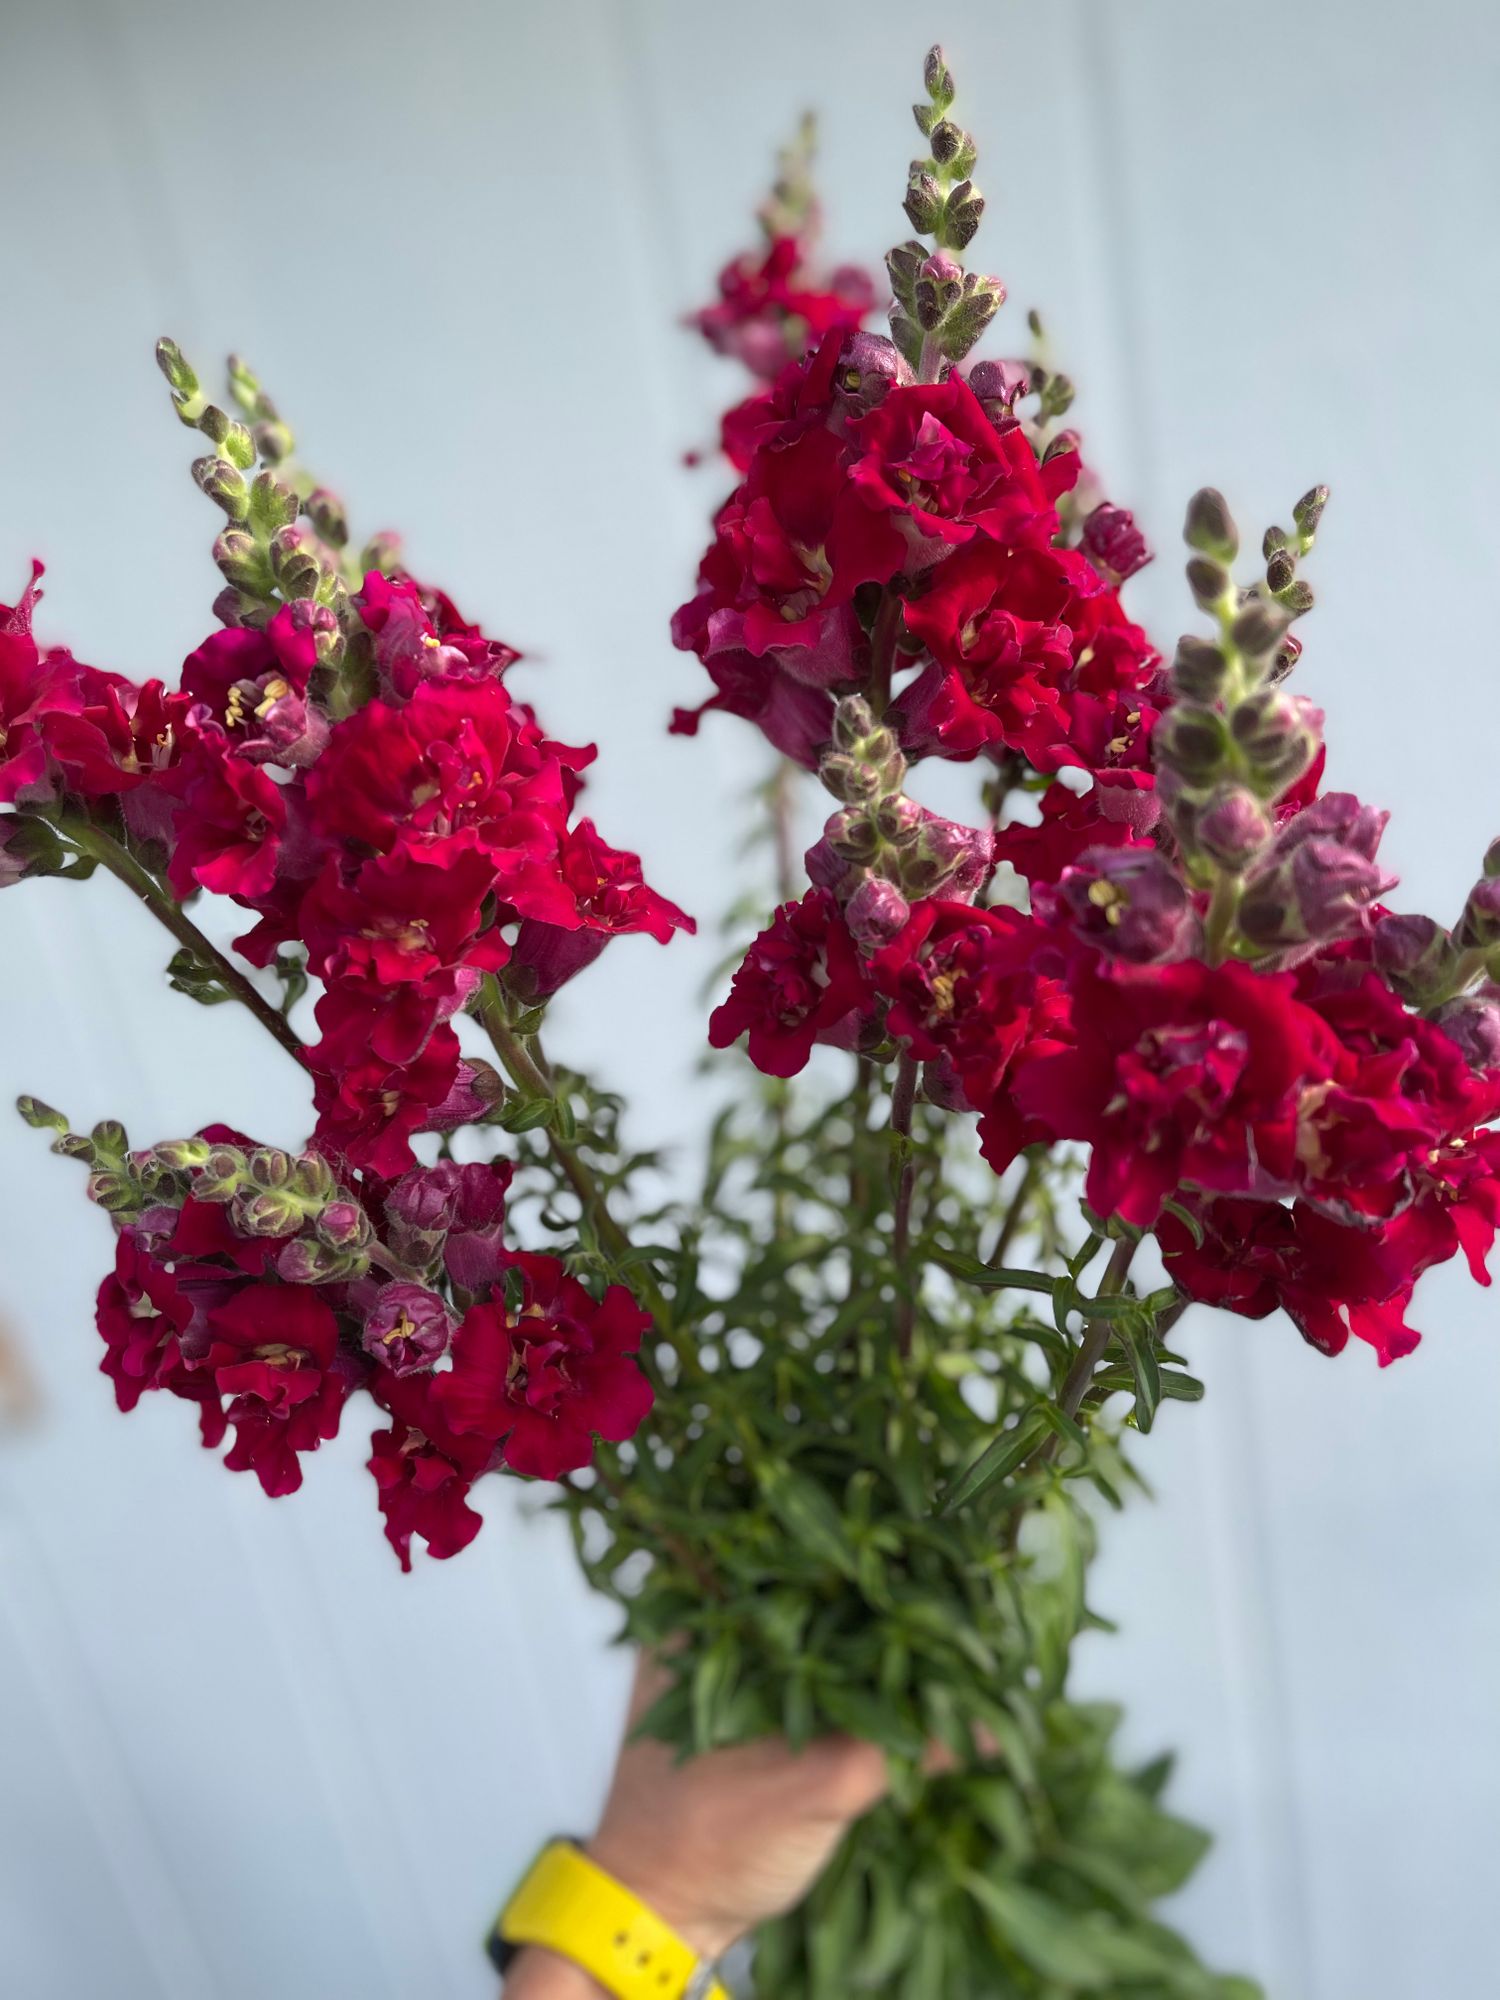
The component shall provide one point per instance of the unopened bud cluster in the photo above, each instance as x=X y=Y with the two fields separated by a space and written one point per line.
x=284 y=537
x=1235 y=741
x=940 y=309
x=882 y=849
x=266 y=1192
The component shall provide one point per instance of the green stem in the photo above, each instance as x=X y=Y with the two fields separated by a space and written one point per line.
x=1016 y=1211
x=533 y=1076
x=1096 y=1336
x=903 y=1098
x=1220 y=921
x=91 y=839
x=884 y=637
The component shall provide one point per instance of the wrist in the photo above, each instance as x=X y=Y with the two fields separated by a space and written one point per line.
x=538 y=1974
x=701 y=1929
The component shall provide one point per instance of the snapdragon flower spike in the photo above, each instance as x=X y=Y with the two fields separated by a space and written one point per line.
x=249 y=1282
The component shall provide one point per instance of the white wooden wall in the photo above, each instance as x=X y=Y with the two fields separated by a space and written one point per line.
x=240 y=1755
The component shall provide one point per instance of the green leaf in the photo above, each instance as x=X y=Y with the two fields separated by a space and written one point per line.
x=713 y=1680
x=1039 y=1931
x=1058 y=1420
x=1188 y=1220
x=809 y=1515
x=528 y=1115
x=974 y=1271
x=1135 y=1337
x=999 y=1458
x=889 y=1931
x=859 y=1713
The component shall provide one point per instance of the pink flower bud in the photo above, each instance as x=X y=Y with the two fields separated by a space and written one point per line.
x=343 y=1225
x=1479 y=926
x=1125 y=901
x=1473 y=1022
x=406 y=1328
x=876 y=912
x=869 y=368
x=1415 y=955
x=1113 y=542
x=1233 y=828
x=999 y=385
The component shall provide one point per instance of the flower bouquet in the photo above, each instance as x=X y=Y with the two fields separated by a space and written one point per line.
x=1138 y=1033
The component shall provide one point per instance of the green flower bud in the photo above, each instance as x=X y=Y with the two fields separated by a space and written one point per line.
x=937 y=78
x=924 y=201
x=962 y=215
x=178 y=1155
x=1199 y=669
x=1308 y=512
x=902 y=265
x=1209 y=582
x=853 y=837
x=269 y=1167
x=233 y=440
x=1258 y=628
x=244 y=563
x=39 y=1116
x=224 y=484
x=969 y=318
x=382 y=552
x=188 y=398
x=109 y=1139
x=1191 y=741
x=326 y=512
x=312 y=1177
x=946 y=140
x=272 y=505
x=1209 y=527
x=296 y=567
x=1279 y=735
x=113 y=1191
x=1281 y=571
x=265 y=1213
x=221 y=1176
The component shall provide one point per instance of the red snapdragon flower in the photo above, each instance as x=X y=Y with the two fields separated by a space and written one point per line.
x=1179 y=1074
x=800 y=982
x=423 y=1470
x=379 y=1074
x=228 y=819
x=34 y=688
x=544 y=1379
x=455 y=759
x=931 y=468
x=405 y=916
x=1119 y=810
x=769 y=310
x=273 y=1351
x=418 y=635
x=143 y=1310
x=610 y=898
x=116 y=736
x=967 y=995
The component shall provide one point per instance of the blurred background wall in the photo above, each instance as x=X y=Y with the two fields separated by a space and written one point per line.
x=240 y=1755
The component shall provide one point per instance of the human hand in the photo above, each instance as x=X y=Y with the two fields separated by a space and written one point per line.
x=719 y=1843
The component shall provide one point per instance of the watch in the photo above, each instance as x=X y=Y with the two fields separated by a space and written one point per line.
x=567 y=1904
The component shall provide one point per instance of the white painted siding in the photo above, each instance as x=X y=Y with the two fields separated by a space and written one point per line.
x=240 y=1755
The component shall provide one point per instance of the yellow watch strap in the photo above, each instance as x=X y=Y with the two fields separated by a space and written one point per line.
x=569 y=1906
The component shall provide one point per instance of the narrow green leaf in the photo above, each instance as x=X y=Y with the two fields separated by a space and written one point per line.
x=1140 y=1351
x=1037 y=1930
x=973 y=1271
x=1000 y=1457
